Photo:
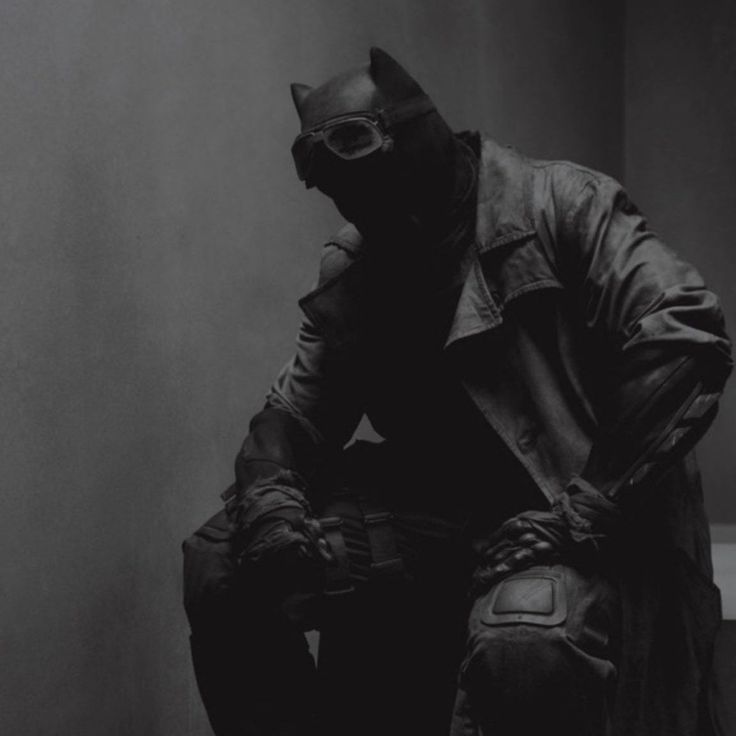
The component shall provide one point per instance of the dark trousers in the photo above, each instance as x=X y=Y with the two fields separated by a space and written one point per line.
x=388 y=652
x=536 y=652
x=540 y=656
x=411 y=653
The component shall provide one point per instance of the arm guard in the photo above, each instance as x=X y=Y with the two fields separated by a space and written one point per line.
x=660 y=412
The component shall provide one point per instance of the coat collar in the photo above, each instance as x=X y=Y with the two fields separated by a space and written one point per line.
x=503 y=217
x=504 y=197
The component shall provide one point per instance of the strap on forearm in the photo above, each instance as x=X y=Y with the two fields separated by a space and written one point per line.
x=679 y=437
x=659 y=417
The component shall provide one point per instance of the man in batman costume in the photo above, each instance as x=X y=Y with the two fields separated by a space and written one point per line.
x=527 y=551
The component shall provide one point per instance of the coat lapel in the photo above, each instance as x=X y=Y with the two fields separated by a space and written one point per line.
x=502 y=218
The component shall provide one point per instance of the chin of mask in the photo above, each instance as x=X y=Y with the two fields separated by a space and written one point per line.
x=379 y=216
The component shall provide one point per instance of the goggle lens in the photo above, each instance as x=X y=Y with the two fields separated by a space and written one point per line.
x=353 y=139
x=348 y=139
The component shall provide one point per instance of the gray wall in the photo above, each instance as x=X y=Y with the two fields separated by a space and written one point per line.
x=680 y=154
x=154 y=240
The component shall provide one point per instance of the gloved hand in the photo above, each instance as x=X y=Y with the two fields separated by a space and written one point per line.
x=281 y=547
x=578 y=524
x=285 y=542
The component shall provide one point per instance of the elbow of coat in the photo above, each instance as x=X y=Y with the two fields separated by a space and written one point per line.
x=278 y=403
x=715 y=363
x=708 y=353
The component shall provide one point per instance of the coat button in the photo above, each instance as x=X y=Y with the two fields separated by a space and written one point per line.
x=526 y=440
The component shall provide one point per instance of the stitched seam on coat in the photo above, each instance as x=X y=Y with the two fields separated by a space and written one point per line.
x=541 y=284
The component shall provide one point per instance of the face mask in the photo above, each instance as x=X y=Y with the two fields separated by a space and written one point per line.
x=372 y=141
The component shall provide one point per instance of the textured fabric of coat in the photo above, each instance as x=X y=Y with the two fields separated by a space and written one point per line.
x=564 y=288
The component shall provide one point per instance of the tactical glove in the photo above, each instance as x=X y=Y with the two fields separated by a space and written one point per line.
x=576 y=527
x=281 y=546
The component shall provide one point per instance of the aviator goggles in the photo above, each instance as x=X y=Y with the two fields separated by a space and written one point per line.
x=356 y=134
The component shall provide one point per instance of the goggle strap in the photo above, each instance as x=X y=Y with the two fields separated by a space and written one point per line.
x=414 y=107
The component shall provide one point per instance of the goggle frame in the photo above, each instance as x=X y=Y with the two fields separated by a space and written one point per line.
x=379 y=122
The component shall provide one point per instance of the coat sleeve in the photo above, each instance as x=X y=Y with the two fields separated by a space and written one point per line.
x=661 y=330
x=311 y=412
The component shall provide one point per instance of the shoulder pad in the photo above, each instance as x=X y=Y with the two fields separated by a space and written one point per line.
x=339 y=252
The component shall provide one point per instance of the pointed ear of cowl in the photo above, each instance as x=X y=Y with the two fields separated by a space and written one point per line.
x=299 y=93
x=390 y=77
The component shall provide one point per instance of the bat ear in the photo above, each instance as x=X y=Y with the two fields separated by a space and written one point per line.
x=389 y=76
x=299 y=93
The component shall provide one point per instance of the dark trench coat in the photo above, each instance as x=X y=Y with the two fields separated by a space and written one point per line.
x=564 y=286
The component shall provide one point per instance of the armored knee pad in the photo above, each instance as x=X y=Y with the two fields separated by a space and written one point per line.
x=540 y=651
x=536 y=596
x=516 y=632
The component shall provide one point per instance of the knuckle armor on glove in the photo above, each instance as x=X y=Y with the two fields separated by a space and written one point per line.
x=277 y=534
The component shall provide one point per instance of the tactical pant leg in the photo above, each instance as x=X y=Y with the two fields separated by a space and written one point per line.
x=389 y=652
x=389 y=666
x=253 y=667
x=540 y=656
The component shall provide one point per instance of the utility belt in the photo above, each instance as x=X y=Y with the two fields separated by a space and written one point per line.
x=363 y=540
